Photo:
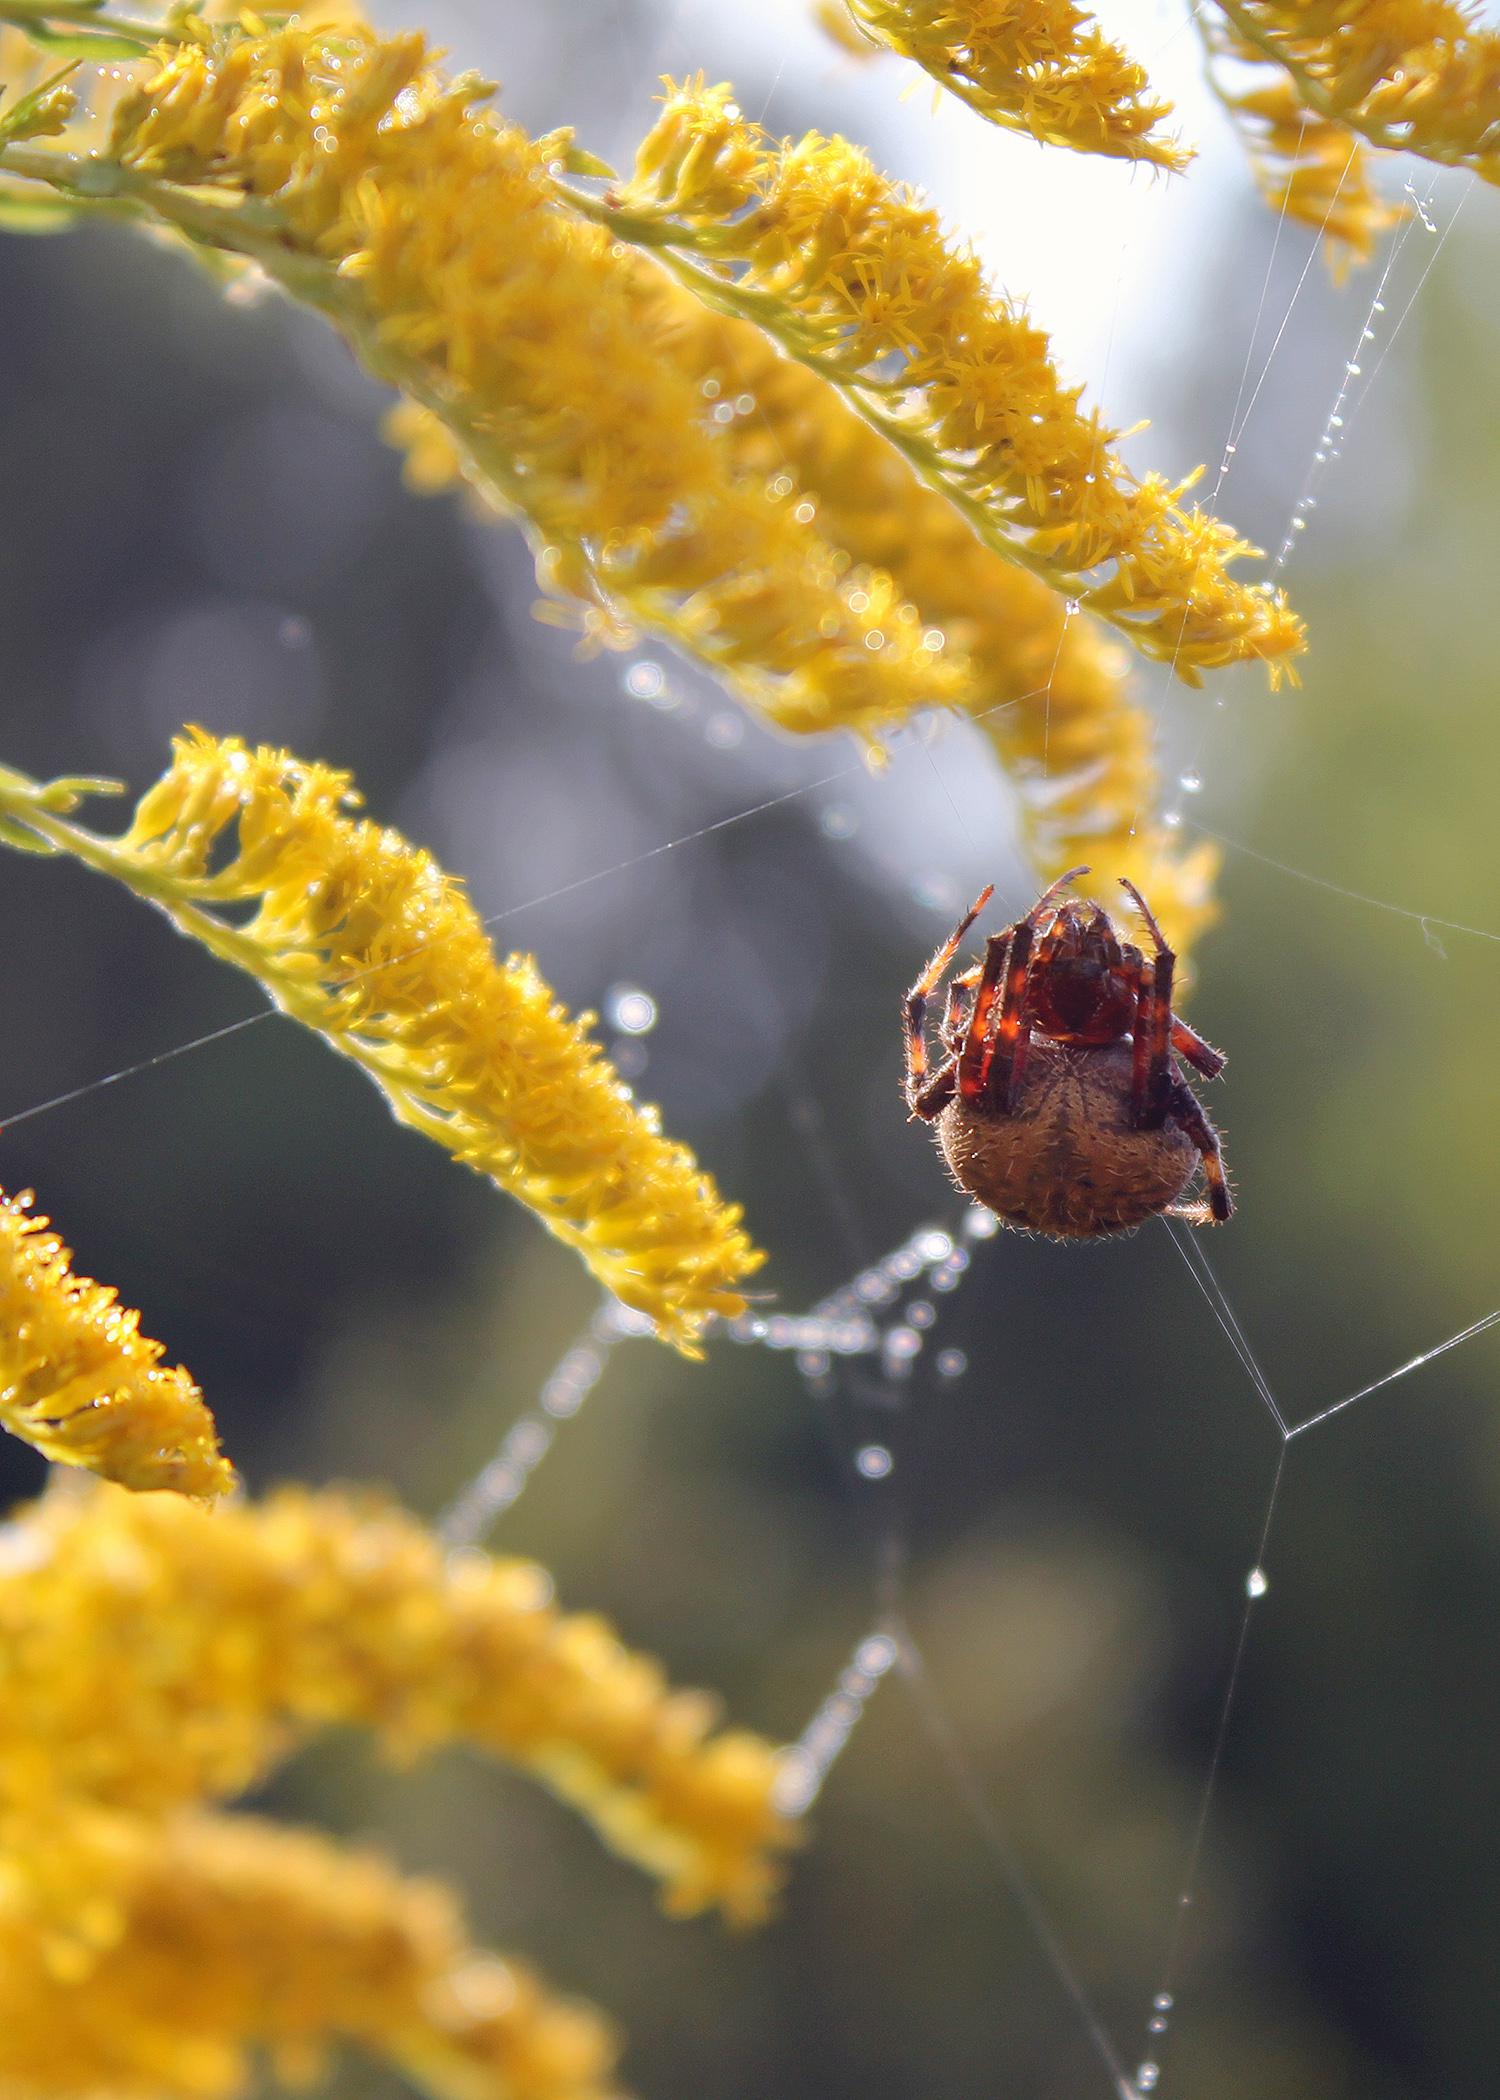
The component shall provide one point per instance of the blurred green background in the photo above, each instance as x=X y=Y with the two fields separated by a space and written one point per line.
x=200 y=523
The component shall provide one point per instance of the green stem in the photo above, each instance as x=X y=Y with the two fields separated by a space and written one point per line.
x=78 y=16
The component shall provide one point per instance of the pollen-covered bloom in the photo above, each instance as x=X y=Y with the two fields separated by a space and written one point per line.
x=153 y=1654
x=1043 y=68
x=1413 y=76
x=853 y=275
x=433 y=235
x=364 y=938
x=155 y=1961
x=81 y=1382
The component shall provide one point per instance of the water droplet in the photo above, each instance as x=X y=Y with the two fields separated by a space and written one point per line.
x=1256 y=1584
x=920 y=1313
x=1171 y=818
x=874 y=639
x=875 y=1655
x=1157 y=2024
x=1072 y=607
x=724 y=413
x=902 y=1344
x=710 y=390
x=1299 y=524
x=838 y=821
x=1146 y=2077
x=629 y=1009
x=1378 y=307
x=981 y=1224
x=724 y=730
x=934 y=1246
x=1335 y=422
x=805 y=512
x=1352 y=369
x=873 y=1461
x=952 y=1363
x=934 y=639
x=294 y=632
x=1191 y=783
x=814 y=1363
x=1163 y=2001
x=644 y=680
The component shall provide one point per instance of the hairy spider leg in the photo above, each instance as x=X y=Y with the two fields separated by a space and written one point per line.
x=1203 y=1057
x=1187 y=1042
x=1011 y=953
x=956 y=1011
x=1152 y=1070
x=1184 y=1104
x=916 y=1011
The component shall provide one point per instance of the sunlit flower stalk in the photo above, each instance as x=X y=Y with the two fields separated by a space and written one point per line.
x=854 y=277
x=361 y=936
x=1050 y=690
x=152 y=1654
x=81 y=1382
x=432 y=235
x=154 y=1961
x=1411 y=76
x=1042 y=68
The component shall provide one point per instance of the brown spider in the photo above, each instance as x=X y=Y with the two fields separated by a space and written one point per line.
x=1065 y=1110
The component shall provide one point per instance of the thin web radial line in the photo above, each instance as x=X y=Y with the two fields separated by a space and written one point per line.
x=1238 y=424
x=1424 y=919
x=1415 y=1363
x=496 y=918
x=1404 y=315
x=1333 y=422
x=1197 y=1265
x=1231 y=436
x=1147 y=2078
x=941 y=1733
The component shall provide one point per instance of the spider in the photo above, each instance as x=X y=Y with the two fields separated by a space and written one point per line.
x=1059 y=1103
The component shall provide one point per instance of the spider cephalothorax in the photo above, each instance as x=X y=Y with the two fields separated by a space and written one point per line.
x=1059 y=1102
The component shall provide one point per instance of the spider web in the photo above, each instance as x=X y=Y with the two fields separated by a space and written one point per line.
x=874 y=1354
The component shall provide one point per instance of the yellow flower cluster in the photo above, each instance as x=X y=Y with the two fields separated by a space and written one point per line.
x=853 y=276
x=1413 y=76
x=1042 y=68
x=1050 y=691
x=152 y=1654
x=434 y=236
x=363 y=937
x=81 y=1382
x=148 y=1961
x=1307 y=167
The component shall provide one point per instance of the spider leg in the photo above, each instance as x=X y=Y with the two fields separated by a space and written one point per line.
x=1187 y=1042
x=929 y=1101
x=922 y=991
x=1152 y=1073
x=1203 y=1057
x=1007 y=956
x=1186 y=1109
x=956 y=1011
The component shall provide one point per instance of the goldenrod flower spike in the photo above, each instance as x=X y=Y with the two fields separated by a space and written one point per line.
x=853 y=276
x=152 y=1654
x=1410 y=76
x=433 y=236
x=81 y=1382
x=362 y=937
x=1307 y=167
x=1039 y=67
x=1051 y=690
x=156 y=1961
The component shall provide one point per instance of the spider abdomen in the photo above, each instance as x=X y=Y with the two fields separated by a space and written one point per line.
x=1066 y=1159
